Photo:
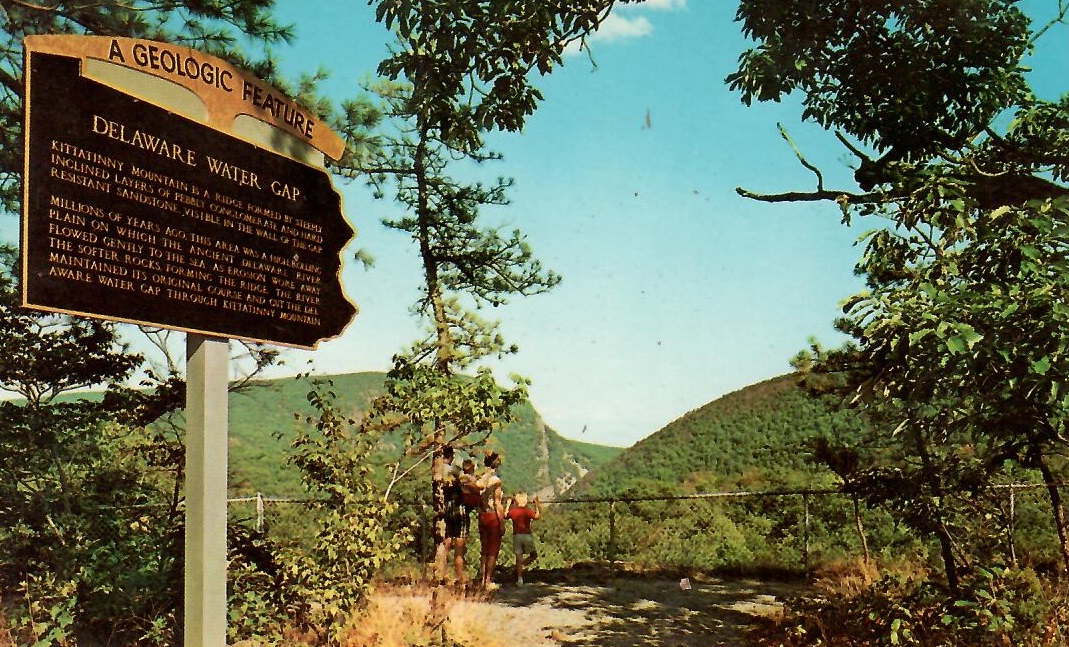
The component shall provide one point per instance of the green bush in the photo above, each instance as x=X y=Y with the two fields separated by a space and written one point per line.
x=46 y=613
x=315 y=584
x=1000 y=603
x=995 y=606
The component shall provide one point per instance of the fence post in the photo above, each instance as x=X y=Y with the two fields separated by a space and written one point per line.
x=612 y=538
x=259 y=512
x=1013 y=525
x=805 y=505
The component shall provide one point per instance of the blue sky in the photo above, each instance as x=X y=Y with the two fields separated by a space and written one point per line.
x=676 y=290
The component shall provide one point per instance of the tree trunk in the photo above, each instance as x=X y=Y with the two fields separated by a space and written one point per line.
x=438 y=506
x=861 y=530
x=1056 y=506
x=946 y=549
x=443 y=342
x=443 y=357
x=946 y=542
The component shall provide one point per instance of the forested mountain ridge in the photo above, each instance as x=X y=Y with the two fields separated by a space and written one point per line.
x=264 y=418
x=754 y=438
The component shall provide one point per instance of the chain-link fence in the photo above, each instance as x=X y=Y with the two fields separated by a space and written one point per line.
x=786 y=532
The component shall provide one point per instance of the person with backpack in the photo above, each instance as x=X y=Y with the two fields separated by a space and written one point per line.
x=457 y=520
x=470 y=494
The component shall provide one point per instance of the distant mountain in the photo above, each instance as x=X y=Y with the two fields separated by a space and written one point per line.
x=752 y=439
x=262 y=424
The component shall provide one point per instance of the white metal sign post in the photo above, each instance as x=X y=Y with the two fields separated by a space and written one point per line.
x=180 y=191
x=207 y=362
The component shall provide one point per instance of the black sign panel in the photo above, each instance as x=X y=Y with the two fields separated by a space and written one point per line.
x=136 y=214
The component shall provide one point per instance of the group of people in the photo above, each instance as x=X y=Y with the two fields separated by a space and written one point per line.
x=467 y=492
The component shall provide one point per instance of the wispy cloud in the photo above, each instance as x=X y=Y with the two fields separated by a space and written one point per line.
x=618 y=27
x=657 y=5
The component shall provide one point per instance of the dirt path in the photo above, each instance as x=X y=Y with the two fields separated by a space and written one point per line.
x=630 y=612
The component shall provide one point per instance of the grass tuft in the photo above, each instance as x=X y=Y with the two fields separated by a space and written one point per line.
x=400 y=616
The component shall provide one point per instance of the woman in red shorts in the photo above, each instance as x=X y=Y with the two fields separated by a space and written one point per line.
x=491 y=514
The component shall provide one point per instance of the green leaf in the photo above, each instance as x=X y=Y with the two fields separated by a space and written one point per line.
x=1041 y=366
x=969 y=335
x=918 y=335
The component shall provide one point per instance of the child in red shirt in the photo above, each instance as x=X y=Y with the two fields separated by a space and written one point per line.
x=523 y=542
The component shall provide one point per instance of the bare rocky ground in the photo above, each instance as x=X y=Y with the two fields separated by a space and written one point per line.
x=629 y=611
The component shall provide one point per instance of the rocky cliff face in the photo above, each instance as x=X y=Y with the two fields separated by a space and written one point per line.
x=558 y=468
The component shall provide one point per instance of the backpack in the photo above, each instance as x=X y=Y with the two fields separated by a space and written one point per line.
x=471 y=498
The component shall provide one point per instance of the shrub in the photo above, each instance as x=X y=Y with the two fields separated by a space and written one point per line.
x=318 y=584
x=995 y=606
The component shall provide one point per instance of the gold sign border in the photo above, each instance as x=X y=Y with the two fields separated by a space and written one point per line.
x=222 y=110
x=223 y=106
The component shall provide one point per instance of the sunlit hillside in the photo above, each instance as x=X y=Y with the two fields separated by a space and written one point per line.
x=263 y=421
x=752 y=438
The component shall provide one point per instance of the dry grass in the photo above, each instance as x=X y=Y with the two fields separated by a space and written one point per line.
x=394 y=616
x=847 y=578
x=401 y=616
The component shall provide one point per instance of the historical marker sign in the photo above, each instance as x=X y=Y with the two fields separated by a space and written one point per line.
x=134 y=213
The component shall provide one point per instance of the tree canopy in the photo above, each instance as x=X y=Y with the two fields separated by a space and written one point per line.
x=961 y=334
